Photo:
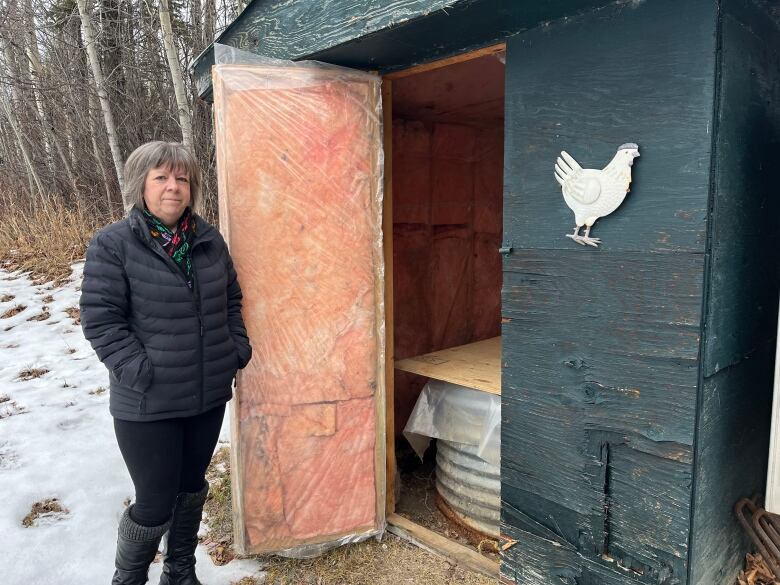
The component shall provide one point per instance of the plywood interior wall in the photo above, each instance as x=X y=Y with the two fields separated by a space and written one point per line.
x=447 y=213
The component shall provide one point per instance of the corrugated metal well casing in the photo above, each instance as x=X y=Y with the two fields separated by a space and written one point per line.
x=469 y=485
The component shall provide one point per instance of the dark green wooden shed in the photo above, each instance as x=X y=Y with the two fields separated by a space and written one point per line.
x=636 y=377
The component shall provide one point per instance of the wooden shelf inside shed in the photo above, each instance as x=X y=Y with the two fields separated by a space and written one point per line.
x=476 y=365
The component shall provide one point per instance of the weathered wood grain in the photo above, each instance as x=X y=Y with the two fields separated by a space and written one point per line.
x=290 y=30
x=745 y=207
x=379 y=35
x=743 y=283
x=648 y=513
x=441 y=546
x=731 y=457
x=643 y=305
x=602 y=347
x=599 y=401
x=538 y=562
x=641 y=485
x=635 y=72
x=466 y=25
x=280 y=28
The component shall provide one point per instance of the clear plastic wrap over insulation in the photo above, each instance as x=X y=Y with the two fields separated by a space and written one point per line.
x=458 y=414
x=299 y=162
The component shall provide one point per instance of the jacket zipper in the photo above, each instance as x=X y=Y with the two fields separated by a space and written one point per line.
x=196 y=299
x=196 y=293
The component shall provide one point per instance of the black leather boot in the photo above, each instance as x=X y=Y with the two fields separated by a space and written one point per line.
x=182 y=539
x=135 y=550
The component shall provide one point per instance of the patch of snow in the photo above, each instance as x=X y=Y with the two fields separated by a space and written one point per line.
x=57 y=441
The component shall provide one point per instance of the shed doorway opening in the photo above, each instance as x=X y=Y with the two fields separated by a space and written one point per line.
x=444 y=149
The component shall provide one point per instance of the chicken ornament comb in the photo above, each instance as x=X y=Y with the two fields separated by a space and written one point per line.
x=594 y=193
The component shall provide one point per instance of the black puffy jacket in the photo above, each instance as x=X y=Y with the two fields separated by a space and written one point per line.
x=171 y=351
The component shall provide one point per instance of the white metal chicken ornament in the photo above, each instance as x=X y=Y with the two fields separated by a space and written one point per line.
x=593 y=193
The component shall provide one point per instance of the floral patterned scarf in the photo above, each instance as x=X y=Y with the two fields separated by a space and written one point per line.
x=177 y=244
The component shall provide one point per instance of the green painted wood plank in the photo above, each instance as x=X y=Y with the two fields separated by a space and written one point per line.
x=539 y=563
x=284 y=29
x=602 y=347
x=743 y=283
x=291 y=30
x=731 y=457
x=462 y=27
x=746 y=205
x=636 y=72
x=380 y=34
x=598 y=405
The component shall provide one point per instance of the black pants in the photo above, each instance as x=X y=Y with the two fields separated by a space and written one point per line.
x=165 y=458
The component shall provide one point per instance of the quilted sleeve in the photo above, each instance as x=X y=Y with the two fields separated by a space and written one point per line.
x=104 y=308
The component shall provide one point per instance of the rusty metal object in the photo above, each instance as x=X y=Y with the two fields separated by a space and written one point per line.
x=473 y=535
x=470 y=485
x=763 y=528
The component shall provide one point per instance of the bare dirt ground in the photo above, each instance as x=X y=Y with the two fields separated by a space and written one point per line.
x=389 y=562
x=418 y=503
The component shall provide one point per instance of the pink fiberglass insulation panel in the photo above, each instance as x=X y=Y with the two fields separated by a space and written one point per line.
x=300 y=172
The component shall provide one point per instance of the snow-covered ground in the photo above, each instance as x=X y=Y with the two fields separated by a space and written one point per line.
x=57 y=441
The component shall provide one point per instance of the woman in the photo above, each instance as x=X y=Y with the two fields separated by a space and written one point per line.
x=161 y=306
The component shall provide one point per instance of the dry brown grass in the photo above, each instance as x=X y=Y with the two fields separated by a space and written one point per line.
x=391 y=562
x=756 y=572
x=50 y=508
x=31 y=373
x=15 y=310
x=75 y=314
x=44 y=240
x=42 y=316
x=219 y=509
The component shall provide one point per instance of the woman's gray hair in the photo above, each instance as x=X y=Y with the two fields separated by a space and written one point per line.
x=153 y=155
